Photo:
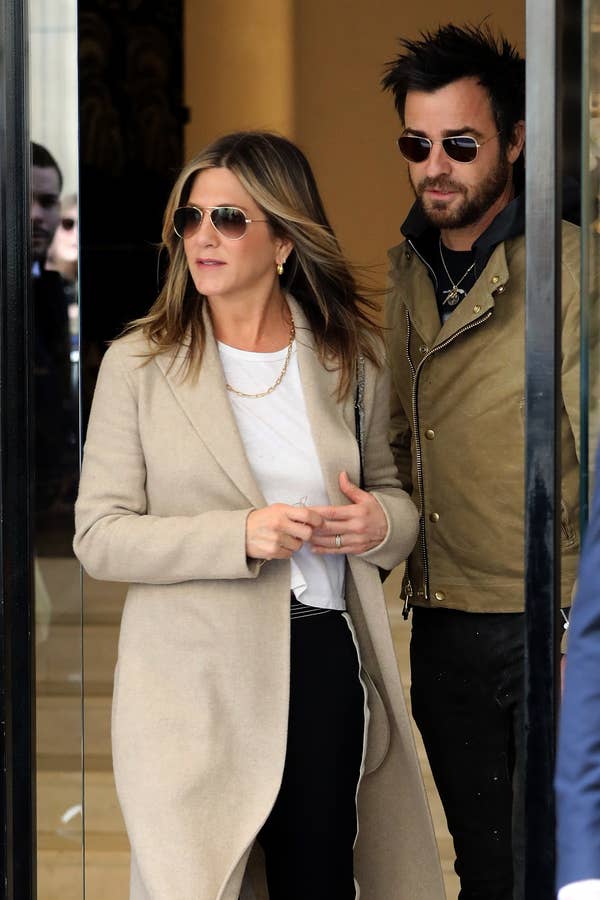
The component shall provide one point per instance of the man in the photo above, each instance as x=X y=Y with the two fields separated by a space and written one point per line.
x=55 y=399
x=46 y=185
x=578 y=766
x=456 y=349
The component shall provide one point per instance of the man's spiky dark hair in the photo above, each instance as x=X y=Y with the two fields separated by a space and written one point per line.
x=451 y=53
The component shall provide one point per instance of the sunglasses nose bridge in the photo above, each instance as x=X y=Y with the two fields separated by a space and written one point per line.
x=205 y=228
x=437 y=158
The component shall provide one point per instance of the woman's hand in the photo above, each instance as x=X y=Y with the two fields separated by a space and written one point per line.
x=277 y=531
x=350 y=529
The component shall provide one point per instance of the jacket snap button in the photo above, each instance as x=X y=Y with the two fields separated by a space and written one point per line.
x=408 y=254
x=430 y=434
x=495 y=279
x=500 y=289
x=434 y=517
x=440 y=595
x=477 y=308
x=423 y=349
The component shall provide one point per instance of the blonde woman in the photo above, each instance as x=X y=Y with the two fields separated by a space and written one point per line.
x=221 y=479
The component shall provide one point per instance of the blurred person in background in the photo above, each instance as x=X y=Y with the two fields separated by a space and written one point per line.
x=63 y=252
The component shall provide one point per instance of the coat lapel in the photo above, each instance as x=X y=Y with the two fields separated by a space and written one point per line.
x=332 y=428
x=206 y=404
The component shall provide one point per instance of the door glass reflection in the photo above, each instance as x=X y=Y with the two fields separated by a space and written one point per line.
x=590 y=232
x=54 y=234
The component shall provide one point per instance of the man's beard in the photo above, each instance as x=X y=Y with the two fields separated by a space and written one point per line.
x=473 y=207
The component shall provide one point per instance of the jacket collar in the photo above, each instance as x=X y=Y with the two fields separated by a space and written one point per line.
x=414 y=288
x=205 y=402
x=333 y=434
x=509 y=223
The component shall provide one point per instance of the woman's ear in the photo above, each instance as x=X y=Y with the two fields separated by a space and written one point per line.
x=284 y=248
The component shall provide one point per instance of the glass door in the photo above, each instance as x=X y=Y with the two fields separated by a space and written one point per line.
x=590 y=258
x=55 y=437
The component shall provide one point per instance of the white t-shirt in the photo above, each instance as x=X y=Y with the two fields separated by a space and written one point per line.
x=281 y=451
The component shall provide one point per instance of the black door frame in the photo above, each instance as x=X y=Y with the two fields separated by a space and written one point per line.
x=17 y=619
x=547 y=68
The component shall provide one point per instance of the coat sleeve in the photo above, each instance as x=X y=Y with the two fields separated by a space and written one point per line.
x=572 y=291
x=381 y=479
x=400 y=431
x=578 y=766
x=115 y=537
x=570 y=338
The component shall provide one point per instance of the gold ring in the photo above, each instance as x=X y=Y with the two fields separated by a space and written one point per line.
x=338 y=541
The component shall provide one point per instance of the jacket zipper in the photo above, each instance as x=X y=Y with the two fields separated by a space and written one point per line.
x=408 y=592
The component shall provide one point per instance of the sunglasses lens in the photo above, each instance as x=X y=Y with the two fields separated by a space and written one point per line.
x=461 y=149
x=229 y=221
x=67 y=223
x=414 y=149
x=186 y=220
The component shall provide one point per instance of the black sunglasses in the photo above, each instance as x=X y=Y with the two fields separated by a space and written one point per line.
x=229 y=221
x=462 y=148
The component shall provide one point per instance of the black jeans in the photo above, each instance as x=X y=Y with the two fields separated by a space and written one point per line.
x=309 y=836
x=467 y=700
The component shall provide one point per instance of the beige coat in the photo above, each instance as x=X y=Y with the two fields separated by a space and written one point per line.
x=201 y=686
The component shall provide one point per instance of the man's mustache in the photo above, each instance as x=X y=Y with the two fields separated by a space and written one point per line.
x=439 y=184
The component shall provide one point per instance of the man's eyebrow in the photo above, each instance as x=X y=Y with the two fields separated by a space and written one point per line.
x=447 y=132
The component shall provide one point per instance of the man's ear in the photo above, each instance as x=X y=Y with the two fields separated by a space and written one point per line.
x=517 y=141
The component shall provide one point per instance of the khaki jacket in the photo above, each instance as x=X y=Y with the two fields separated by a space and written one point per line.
x=458 y=413
x=200 y=703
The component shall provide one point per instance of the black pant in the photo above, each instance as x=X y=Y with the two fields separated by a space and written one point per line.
x=309 y=836
x=467 y=699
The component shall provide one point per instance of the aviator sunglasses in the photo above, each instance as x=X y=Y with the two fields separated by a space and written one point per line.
x=462 y=148
x=229 y=221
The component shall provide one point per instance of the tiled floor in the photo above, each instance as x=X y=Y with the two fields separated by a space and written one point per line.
x=60 y=871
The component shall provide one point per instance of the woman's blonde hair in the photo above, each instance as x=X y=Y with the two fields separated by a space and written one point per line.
x=278 y=177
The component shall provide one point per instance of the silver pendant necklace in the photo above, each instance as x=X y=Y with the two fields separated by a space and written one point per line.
x=455 y=293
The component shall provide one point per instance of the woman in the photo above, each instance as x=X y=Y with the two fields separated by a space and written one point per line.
x=64 y=249
x=221 y=479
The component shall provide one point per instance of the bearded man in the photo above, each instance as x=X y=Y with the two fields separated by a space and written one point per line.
x=456 y=328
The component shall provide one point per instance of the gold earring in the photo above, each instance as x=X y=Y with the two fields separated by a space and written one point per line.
x=279 y=268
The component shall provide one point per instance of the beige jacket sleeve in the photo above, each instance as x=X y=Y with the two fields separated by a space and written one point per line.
x=570 y=337
x=115 y=537
x=381 y=479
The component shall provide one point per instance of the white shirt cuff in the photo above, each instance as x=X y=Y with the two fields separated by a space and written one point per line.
x=581 y=890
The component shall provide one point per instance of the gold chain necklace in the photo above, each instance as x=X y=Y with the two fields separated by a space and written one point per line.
x=280 y=378
x=454 y=294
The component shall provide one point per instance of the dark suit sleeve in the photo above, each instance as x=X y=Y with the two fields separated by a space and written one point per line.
x=578 y=766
